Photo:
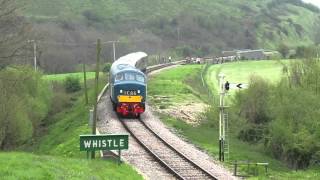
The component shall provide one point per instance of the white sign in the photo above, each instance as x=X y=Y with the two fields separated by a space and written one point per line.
x=238 y=86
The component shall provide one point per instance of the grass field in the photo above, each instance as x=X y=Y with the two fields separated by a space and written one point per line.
x=206 y=134
x=240 y=72
x=171 y=84
x=62 y=77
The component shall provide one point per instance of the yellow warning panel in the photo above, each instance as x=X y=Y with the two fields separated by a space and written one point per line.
x=122 y=98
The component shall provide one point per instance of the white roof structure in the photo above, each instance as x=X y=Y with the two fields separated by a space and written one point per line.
x=131 y=58
x=127 y=61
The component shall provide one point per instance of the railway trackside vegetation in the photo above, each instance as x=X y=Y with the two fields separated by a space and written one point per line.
x=72 y=84
x=20 y=165
x=25 y=101
x=63 y=129
x=283 y=117
x=49 y=144
x=255 y=151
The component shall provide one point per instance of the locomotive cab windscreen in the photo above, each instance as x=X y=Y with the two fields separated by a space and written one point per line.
x=129 y=76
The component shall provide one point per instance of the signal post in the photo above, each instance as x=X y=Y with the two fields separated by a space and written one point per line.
x=224 y=86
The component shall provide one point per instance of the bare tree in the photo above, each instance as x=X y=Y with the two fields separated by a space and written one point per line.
x=13 y=33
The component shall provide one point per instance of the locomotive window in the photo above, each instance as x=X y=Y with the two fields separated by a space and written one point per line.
x=139 y=78
x=119 y=77
x=129 y=76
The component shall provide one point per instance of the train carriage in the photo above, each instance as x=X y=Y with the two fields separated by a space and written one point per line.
x=128 y=84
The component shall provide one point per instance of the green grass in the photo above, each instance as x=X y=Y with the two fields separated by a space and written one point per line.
x=55 y=153
x=62 y=77
x=18 y=165
x=64 y=128
x=206 y=134
x=240 y=72
x=173 y=84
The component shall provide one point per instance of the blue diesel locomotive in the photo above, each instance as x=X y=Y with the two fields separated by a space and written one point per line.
x=128 y=84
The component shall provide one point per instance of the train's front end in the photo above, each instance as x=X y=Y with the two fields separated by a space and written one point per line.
x=129 y=92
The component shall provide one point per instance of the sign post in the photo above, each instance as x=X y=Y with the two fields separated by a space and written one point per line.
x=104 y=142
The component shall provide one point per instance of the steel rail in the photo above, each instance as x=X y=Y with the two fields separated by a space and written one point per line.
x=161 y=161
x=176 y=151
x=154 y=155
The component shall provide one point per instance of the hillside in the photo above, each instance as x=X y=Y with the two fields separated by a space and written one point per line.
x=177 y=27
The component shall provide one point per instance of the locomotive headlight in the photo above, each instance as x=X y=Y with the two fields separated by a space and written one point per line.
x=121 y=91
x=138 y=91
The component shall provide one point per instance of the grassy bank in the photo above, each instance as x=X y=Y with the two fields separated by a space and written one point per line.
x=20 y=165
x=54 y=153
x=205 y=135
x=175 y=86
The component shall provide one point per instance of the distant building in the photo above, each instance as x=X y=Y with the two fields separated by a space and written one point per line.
x=249 y=54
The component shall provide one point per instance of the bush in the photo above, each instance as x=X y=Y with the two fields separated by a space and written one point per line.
x=106 y=67
x=25 y=100
x=60 y=99
x=72 y=84
x=284 y=115
x=253 y=103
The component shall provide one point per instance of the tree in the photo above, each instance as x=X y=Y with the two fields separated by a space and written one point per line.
x=25 y=99
x=14 y=31
x=284 y=50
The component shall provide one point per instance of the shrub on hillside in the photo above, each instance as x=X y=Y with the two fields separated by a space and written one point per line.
x=72 y=84
x=25 y=100
x=60 y=99
x=284 y=115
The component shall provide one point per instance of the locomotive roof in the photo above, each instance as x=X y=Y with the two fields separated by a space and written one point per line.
x=127 y=62
x=131 y=58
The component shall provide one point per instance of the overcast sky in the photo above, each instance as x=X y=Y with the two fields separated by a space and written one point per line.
x=315 y=2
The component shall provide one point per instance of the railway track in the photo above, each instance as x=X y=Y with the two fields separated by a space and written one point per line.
x=174 y=162
x=169 y=157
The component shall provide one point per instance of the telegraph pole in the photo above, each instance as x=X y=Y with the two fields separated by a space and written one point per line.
x=113 y=47
x=34 y=53
x=96 y=93
x=114 y=50
x=85 y=83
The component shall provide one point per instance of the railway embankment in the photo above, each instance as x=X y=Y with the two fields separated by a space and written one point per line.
x=54 y=152
x=205 y=135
